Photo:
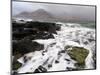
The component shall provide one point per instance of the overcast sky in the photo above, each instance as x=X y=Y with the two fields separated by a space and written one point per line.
x=55 y=9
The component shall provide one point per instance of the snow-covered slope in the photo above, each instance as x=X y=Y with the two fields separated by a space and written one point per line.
x=52 y=57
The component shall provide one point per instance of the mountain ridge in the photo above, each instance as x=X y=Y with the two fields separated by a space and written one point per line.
x=45 y=16
x=38 y=15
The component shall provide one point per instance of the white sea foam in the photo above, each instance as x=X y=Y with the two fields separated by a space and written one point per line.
x=70 y=34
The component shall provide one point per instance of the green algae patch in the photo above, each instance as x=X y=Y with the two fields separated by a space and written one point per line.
x=16 y=65
x=78 y=54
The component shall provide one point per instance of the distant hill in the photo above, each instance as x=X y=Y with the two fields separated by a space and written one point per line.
x=38 y=15
x=43 y=15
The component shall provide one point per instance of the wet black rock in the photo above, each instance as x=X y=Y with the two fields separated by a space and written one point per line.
x=40 y=69
x=43 y=26
x=43 y=35
x=40 y=30
x=85 y=42
x=71 y=69
x=36 y=71
x=23 y=34
x=15 y=73
x=56 y=61
x=67 y=59
x=91 y=39
x=26 y=58
x=16 y=25
x=63 y=51
x=50 y=65
x=16 y=65
x=26 y=46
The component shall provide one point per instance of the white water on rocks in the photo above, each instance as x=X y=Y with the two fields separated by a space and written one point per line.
x=70 y=34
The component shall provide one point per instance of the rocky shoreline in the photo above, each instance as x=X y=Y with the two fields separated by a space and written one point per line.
x=46 y=47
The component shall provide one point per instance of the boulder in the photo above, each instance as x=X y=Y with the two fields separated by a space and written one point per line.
x=20 y=34
x=26 y=46
x=40 y=69
x=40 y=30
x=78 y=54
x=44 y=35
x=43 y=26
x=16 y=65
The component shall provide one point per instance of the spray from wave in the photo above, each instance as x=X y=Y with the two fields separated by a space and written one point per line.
x=54 y=56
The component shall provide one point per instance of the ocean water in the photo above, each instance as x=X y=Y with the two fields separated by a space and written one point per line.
x=89 y=25
x=74 y=34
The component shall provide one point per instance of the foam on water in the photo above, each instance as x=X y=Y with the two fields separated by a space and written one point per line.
x=70 y=34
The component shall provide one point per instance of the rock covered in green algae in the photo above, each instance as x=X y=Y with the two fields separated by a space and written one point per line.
x=79 y=54
x=16 y=65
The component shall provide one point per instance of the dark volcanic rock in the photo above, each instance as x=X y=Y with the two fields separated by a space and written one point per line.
x=22 y=35
x=18 y=25
x=50 y=65
x=43 y=26
x=15 y=73
x=40 y=69
x=16 y=65
x=56 y=61
x=26 y=46
x=32 y=35
x=44 y=35
x=40 y=30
